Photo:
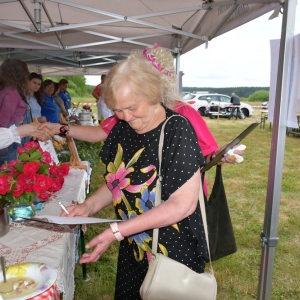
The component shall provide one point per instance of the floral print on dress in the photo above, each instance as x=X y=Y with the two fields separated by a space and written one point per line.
x=117 y=181
x=141 y=239
x=147 y=200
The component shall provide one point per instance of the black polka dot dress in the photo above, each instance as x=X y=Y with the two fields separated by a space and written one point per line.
x=131 y=171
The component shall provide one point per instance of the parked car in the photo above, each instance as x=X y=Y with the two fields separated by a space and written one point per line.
x=198 y=101
x=265 y=105
x=204 y=103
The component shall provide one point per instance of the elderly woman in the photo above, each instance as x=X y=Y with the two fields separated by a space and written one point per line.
x=131 y=157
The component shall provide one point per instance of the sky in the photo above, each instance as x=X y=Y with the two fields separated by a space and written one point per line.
x=240 y=57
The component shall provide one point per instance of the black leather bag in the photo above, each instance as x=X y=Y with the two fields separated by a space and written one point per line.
x=220 y=231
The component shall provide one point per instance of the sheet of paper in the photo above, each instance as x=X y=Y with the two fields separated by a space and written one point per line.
x=72 y=221
x=48 y=146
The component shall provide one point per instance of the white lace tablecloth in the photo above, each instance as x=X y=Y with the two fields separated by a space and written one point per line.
x=51 y=244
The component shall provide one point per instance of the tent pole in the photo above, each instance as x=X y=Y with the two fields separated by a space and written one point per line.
x=179 y=77
x=269 y=238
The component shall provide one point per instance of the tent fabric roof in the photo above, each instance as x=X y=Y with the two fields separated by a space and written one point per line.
x=93 y=35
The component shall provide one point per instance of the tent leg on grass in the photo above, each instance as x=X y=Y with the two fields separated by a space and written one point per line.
x=269 y=238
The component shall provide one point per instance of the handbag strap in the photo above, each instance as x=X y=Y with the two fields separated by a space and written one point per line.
x=158 y=196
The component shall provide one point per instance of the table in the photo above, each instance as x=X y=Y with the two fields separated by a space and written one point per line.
x=294 y=131
x=51 y=244
x=264 y=118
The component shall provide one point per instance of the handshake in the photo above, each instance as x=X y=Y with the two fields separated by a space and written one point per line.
x=33 y=130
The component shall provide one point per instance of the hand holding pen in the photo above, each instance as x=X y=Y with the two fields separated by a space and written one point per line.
x=63 y=208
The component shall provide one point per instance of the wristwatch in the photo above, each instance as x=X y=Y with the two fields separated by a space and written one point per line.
x=115 y=229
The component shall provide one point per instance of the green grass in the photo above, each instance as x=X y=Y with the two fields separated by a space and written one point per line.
x=246 y=187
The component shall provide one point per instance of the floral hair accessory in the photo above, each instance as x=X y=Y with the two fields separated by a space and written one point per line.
x=153 y=61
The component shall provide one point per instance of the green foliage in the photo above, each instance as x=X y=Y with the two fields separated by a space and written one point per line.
x=259 y=96
x=86 y=151
x=243 y=92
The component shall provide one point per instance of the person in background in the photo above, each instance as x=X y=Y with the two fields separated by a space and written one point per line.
x=14 y=134
x=130 y=154
x=103 y=111
x=50 y=109
x=95 y=92
x=235 y=100
x=14 y=110
x=59 y=101
x=64 y=94
x=35 y=85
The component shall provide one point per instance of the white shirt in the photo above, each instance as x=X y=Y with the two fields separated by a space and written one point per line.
x=8 y=136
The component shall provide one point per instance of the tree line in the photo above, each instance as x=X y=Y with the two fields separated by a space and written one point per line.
x=243 y=92
x=79 y=88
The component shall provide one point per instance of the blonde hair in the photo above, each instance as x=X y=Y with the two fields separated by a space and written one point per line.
x=149 y=73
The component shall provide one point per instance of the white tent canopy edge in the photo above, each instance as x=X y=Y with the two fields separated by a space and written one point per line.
x=98 y=34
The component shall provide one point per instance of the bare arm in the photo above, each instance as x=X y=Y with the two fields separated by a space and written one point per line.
x=178 y=207
x=97 y=201
x=84 y=133
x=95 y=95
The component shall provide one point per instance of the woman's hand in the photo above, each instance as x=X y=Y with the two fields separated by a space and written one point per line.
x=227 y=158
x=100 y=244
x=52 y=127
x=83 y=209
x=232 y=158
x=42 y=119
x=33 y=130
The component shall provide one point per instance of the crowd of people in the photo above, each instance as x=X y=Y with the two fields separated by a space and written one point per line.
x=25 y=97
x=140 y=94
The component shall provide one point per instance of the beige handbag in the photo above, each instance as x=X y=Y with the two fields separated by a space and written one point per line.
x=167 y=279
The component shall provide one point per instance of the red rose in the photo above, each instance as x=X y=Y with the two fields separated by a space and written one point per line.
x=42 y=184
x=46 y=157
x=56 y=185
x=4 y=186
x=64 y=169
x=62 y=180
x=29 y=180
x=54 y=170
x=31 y=168
x=18 y=188
x=44 y=196
x=32 y=144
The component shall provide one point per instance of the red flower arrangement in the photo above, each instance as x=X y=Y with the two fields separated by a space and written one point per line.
x=31 y=173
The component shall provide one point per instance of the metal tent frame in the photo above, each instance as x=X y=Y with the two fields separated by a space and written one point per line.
x=60 y=37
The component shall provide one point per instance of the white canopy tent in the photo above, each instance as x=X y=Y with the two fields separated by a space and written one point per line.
x=65 y=37
x=97 y=34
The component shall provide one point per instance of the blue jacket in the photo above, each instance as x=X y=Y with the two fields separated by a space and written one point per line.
x=50 y=110
x=66 y=97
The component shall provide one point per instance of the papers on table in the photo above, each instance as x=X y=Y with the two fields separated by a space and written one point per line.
x=69 y=221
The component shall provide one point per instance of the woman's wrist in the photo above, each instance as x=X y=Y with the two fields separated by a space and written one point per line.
x=115 y=229
x=17 y=133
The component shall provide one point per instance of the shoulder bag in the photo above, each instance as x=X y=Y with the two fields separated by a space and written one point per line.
x=168 y=279
x=220 y=231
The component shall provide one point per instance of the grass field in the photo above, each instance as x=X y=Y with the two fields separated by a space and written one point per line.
x=246 y=187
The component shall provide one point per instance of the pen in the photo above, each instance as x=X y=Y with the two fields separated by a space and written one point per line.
x=63 y=207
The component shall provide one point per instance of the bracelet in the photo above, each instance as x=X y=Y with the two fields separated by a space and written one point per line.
x=64 y=130
x=115 y=229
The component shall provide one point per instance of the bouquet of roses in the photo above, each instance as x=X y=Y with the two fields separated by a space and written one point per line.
x=31 y=173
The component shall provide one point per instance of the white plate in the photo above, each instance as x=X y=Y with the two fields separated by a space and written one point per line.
x=43 y=275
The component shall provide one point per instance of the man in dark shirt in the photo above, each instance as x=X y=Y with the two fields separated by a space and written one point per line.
x=235 y=100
